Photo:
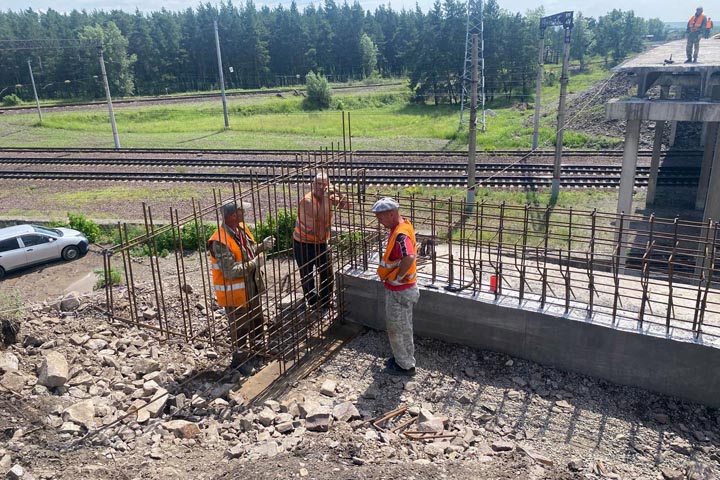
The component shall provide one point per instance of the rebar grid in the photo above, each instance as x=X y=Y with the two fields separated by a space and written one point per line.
x=174 y=295
x=650 y=272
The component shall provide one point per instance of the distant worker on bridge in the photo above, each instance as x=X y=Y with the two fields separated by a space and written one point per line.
x=708 y=27
x=696 y=27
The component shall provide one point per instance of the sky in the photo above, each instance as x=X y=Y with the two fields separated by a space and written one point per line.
x=669 y=11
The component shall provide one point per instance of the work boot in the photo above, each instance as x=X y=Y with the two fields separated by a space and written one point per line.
x=393 y=368
x=694 y=60
x=689 y=60
x=241 y=363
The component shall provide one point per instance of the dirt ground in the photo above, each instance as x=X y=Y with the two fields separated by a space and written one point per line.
x=506 y=418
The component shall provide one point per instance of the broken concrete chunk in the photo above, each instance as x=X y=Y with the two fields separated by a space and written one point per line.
x=182 y=428
x=427 y=422
x=53 y=370
x=345 y=412
x=156 y=405
x=9 y=362
x=70 y=302
x=328 y=388
x=319 y=420
x=82 y=413
x=266 y=417
x=502 y=446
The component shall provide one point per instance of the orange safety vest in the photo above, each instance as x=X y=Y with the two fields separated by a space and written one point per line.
x=229 y=292
x=696 y=22
x=709 y=24
x=387 y=270
x=312 y=233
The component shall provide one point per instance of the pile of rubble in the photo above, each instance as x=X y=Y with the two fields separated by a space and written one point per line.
x=86 y=398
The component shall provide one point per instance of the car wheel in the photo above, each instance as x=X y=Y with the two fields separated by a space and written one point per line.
x=70 y=253
x=2 y=273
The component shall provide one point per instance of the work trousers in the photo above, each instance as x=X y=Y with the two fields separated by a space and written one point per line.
x=693 y=43
x=399 y=324
x=311 y=257
x=246 y=326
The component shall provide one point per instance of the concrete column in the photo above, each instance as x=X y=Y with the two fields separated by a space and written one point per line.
x=627 y=180
x=712 y=204
x=627 y=177
x=673 y=132
x=655 y=162
x=707 y=163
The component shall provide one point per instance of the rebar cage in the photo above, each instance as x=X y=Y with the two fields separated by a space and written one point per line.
x=654 y=273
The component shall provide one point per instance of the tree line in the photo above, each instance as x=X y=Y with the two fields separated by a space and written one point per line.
x=166 y=52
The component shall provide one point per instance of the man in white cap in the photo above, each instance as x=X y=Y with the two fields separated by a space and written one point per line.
x=236 y=264
x=397 y=269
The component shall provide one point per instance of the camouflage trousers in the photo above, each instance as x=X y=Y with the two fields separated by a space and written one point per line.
x=399 y=324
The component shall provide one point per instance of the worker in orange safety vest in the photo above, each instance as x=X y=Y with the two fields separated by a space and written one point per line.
x=310 y=239
x=708 y=27
x=398 y=269
x=236 y=262
x=695 y=29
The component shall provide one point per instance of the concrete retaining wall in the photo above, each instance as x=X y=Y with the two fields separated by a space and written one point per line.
x=683 y=369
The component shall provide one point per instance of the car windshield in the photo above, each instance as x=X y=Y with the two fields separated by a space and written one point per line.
x=48 y=231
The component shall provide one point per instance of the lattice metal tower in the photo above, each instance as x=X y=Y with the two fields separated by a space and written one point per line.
x=474 y=25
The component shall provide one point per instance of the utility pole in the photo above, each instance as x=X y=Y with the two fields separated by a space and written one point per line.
x=538 y=87
x=472 y=137
x=564 y=19
x=116 y=138
x=474 y=27
x=32 y=79
x=561 y=117
x=222 y=78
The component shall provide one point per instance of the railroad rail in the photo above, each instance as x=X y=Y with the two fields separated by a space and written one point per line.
x=449 y=167
x=181 y=98
x=535 y=180
x=355 y=153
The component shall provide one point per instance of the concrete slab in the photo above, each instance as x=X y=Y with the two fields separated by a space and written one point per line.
x=708 y=58
x=660 y=110
x=618 y=352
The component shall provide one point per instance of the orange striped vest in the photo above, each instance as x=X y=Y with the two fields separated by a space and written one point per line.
x=229 y=292
x=387 y=270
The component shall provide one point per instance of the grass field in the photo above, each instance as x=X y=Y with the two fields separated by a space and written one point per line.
x=381 y=118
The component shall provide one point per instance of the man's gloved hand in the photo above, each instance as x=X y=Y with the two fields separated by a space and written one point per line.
x=395 y=283
x=268 y=243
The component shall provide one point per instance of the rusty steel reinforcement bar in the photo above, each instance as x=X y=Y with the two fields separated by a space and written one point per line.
x=649 y=272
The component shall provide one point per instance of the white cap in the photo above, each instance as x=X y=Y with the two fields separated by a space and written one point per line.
x=385 y=204
x=231 y=206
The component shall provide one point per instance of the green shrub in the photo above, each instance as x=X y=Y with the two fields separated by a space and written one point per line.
x=11 y=100
x=280 y=227
x=82 y=224
x=116 y=278
x=165 y=242
x=318 y=92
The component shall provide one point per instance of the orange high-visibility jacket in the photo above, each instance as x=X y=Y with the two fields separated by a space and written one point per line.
x=388 y=270
x=229 y=292
x=695 y=22
x=318 y=231
x=709 y=24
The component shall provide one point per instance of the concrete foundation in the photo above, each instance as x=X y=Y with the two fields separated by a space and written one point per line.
x=544 y=335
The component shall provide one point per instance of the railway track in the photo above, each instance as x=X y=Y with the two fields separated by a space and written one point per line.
x=356 y=153
x=446 y=180
x=180 y=98
x=446 y=167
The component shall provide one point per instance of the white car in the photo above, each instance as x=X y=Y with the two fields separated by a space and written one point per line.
x=24 y=245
